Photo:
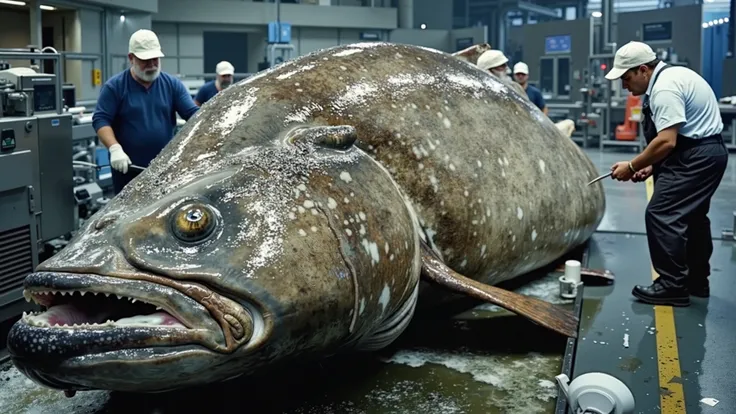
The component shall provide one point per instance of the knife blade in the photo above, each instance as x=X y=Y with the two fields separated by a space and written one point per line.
x=600 y=178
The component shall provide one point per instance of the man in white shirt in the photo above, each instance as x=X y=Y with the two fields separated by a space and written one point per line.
x=685 y=152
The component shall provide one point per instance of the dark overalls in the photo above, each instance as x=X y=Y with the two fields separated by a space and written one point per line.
x=678 y=228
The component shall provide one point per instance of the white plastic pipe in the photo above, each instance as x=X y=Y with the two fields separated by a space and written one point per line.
x=572 y=271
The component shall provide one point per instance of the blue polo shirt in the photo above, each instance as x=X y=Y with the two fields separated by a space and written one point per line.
x=143 y=119
x=206 y=92
x=535 y=95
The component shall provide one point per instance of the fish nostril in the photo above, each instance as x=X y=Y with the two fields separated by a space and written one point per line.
x=104 y=222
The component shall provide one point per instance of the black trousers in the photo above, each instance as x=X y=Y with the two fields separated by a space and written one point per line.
x=120 y=180
x=678 y=228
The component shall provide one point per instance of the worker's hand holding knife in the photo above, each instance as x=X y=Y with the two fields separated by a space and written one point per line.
x=119 y=160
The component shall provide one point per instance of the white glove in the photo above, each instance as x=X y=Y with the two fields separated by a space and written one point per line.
x=119 y=159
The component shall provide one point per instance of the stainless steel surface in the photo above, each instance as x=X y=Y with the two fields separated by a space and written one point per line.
x=83 y=132
x=26 y=139
x=18 y=247
x=137 y=167
x=595 y=180
x=56 y=172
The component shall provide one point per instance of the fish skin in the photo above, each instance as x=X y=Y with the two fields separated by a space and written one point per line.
x=322 y=176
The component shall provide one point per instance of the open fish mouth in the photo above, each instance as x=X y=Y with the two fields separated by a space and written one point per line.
x=90 y=314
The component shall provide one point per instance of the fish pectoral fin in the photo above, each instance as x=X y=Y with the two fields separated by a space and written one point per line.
x=543 y=313
x=340 y=137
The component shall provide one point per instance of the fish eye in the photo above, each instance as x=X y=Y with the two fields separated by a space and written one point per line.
x=193 y=222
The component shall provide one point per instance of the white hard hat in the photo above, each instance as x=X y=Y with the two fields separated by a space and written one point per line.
x=224 y=68
x=144 y=45
x=491 y=59
x=630 y=55
x=521 y=67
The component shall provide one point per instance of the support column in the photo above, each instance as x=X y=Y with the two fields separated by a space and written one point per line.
x=406 y=14
x=36 y=25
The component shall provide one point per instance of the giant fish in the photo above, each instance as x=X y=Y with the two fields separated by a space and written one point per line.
x=312 y=209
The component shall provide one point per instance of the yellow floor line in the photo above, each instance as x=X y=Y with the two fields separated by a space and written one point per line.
x=671 y=393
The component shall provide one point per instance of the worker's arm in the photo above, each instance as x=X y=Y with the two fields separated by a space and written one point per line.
x=183 y=102
x=102 y=119
x=105 y=112
x=196 y=102
x=668 y=114
x=545 y=110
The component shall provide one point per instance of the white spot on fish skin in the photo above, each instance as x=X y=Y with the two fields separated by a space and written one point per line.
x=534 y=234
x=302 y=187
x=439 y=115
x=301 y=210
x=541 y=165
x=420 y=166
x=435 y=183
x=308 y=204
x=348 y=232
x=343 y=68
x=346 y=200
x=480 y=164
x=331 y=203
x=345 y=222
x=452 y=167
x=483 y=250
x=500 y=162
x=302 y=232
x=488 y=212
x=292 y=216
x=385 y=297
x=447 y=123
x=314 y=229
x=372 y=249
x=345 y=176
x=464 y=263
x=361 y=215
x=519 y=213
x=386 y=247
x=505 y=161
x=362 y=230
x=362 y=306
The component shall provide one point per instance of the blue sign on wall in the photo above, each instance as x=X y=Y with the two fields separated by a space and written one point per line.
x=369 y=36
x=279 y=33
x=557 y=44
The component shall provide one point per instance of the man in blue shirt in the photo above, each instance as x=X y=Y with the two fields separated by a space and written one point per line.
x=136 y=111
x=225 y=72
x=521 y=73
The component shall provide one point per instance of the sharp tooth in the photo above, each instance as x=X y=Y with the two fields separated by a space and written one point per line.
x=63 y=293
x=82 y=293
x=107 y=294
x=119 y=297
x=133 y=300
x=159 y=308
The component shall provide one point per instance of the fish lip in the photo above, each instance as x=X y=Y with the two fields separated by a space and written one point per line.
x=198 y=325
x=82 y=283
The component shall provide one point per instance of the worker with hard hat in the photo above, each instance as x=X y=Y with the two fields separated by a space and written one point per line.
x=136 y=110
x=495 y=62
x=225 y=72
x=521 y=74
x=687 y=158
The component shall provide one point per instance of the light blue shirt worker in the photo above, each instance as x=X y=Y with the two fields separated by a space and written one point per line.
x=681 y=96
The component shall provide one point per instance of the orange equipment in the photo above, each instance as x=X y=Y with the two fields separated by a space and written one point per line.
x=629 y=130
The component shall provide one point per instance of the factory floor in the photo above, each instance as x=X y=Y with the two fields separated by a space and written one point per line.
x=671 y=358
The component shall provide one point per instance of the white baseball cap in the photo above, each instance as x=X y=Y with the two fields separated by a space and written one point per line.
x=521 y=67
x=144 y=45
x=630 y=55
x=491 y=59
x=224 y=68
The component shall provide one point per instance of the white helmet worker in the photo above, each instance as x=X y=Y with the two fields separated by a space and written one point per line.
x=491 y=59
x=522 y=68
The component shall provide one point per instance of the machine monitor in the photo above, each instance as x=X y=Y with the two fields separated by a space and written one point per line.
x=557 y=44
x=656 y=32
x=44 y=98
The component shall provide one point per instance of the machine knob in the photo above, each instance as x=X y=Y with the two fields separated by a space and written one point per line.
x=29 y=126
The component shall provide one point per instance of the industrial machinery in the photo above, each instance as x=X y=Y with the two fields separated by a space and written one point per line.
x=36 y=189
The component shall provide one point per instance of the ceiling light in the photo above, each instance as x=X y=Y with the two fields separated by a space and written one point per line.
x=122 y=17
x=44 y=7
x=597 y=14
x=13 y=2
x=705 y=25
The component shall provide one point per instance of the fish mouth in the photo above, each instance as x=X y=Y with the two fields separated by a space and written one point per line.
x=87 y=314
